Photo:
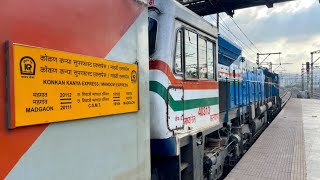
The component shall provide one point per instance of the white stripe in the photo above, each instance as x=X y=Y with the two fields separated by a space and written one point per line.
x=198 y=94
x=159 y=76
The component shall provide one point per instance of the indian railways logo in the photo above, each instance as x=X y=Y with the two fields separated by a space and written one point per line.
x=133 y=76
x=27 y=66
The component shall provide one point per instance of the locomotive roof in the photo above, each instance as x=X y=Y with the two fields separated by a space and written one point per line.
x=228 y=51
x=184 y=14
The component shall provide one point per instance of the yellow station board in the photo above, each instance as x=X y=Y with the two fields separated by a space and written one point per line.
x=51 y=86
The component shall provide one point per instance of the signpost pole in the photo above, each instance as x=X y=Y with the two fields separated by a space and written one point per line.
x=311 y=75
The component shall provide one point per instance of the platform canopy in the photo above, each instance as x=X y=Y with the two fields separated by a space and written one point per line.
x=207 y=7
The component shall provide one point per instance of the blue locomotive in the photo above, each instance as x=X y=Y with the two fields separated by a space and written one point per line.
x=248 y=99
x=242 y=82
x=248 y=94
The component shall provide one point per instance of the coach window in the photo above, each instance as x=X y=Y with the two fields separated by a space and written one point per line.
x=202 y=49
x=210 y=59
x=153 y=26
x=191 y=55
x=178 y=57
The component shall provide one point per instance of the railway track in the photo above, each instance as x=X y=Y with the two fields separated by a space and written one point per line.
x=285 y=98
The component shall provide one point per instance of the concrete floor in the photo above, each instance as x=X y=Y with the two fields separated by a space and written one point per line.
x=288 y=149
x=311 y=126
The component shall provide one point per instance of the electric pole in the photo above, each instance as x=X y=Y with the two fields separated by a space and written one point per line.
x=302 y=78
x=265 y=54
x=308 y=76
x=312 y=63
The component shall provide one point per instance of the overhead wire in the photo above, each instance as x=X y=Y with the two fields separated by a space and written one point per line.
x=226 y=34
x=223 y=24
x=226 y=26
x=240 y=43
x=229 y=30
x=245 y=35
x=239 y=28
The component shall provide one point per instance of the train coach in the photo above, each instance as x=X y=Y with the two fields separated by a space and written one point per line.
x=208 y=103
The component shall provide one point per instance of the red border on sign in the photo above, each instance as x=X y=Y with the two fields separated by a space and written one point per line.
x=10 y=116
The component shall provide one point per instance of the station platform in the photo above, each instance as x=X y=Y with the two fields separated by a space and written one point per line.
x=288 y=149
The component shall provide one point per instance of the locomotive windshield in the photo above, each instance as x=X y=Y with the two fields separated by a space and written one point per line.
x=153 y=26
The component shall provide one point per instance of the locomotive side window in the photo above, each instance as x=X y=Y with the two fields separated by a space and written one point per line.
x=210 y=59
x=203 y=71
x=194 y=55
x=153 y=26
x=178 y=55
x=191 y=55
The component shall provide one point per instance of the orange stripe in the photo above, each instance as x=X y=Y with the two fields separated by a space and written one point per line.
x=187 y=84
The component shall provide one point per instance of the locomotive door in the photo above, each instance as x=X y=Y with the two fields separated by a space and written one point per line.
x=175 y=107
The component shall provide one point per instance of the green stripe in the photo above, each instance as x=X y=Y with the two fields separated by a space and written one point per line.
x=178 y=105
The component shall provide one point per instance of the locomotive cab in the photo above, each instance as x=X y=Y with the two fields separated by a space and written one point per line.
x=183 y=90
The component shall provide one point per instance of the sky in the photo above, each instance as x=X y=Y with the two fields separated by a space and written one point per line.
x=292 y=28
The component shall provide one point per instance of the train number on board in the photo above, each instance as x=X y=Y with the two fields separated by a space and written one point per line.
x=65 y=107
x=203 y=111
x=65 y=95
